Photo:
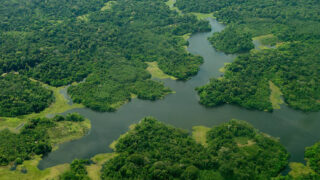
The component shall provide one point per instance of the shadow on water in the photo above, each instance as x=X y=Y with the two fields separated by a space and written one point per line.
x=295 y=129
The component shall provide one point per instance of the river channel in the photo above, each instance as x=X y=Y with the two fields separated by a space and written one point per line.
x=295 y=129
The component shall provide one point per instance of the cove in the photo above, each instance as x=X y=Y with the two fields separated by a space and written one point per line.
x=295 y=129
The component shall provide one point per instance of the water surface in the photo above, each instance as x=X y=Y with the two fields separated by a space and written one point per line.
x=295 y=129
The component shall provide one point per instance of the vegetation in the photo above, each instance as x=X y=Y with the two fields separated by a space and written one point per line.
x=232 y=40
x=199 y=134
x=93 y=167
x=312 y=155
x=299 y=172
x=65 y=131
x=108 y=89
x=275 y=96
x=28 y=171
x=292 y=67
x=153 y=150
x=244 y=153
x=59 y=105
x=58 y=46
x=155 y=72
x=77 y=171
x=268 y=39
x=310 y=171
x=34 y=139
x=20 y=96
x=292 y=25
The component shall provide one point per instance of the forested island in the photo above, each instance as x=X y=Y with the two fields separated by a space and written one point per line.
x=293 y=66
x=233 y=150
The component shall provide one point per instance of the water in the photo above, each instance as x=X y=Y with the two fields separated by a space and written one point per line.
x=295 y=129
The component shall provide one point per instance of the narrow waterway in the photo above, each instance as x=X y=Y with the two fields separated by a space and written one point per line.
x=295 y=129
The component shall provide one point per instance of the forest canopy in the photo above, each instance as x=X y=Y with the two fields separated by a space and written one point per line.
x=293 y=26
x=33 y=139
x=20 y=96
x=293 y=67
x=232 y=40
x=86 y=40
x=153 y=150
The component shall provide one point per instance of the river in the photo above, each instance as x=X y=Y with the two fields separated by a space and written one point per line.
x=295 y=129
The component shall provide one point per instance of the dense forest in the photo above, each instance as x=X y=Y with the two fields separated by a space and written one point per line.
x=59 y=46
x=33 y=139
x=312 y=155
x=235 y=150
x=232 y=40
x=112 y=85
x=294 y=66
x=77 y=171
x=20 y=96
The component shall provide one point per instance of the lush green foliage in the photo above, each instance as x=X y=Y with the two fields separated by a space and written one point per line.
x=205 y=6
x=232 y=40
x=66 y=47
x=312 y=155
x=74 y=117
x=60 y=42
x=244 y=153
x=77 y=171
x=109 y=87
x=32 y=139
x=20 y=96
x=287 y=19
x=153 y=150
x=294 y=67
x=310 y=171
x=150 y=90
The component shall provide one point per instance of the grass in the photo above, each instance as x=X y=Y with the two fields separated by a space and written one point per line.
x=275 y=96
x=186 y=36
x=95 y=168
x=244 y=141
x=268 y=39
x=171 y=3
x=66 y=131
x=108 y=5
x=199 y=133
x=201 y=16
x=223 y=69
x=60 y=105
x=63 y=132
x=83 y=18
x=298 y=170
x=33 y=173
x=118 y=104
x=156 y=72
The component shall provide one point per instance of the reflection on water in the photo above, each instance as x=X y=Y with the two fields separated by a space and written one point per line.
x=295 y=129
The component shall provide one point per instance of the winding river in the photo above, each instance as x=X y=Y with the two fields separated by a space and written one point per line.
x=295 y=129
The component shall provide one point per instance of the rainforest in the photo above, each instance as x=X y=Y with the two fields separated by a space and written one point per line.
x=157 y=89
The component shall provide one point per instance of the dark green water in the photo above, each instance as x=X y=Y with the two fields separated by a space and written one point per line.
x=295 y=129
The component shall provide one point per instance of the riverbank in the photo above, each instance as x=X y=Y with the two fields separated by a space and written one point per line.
x=62 y=132
x=60 y=105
